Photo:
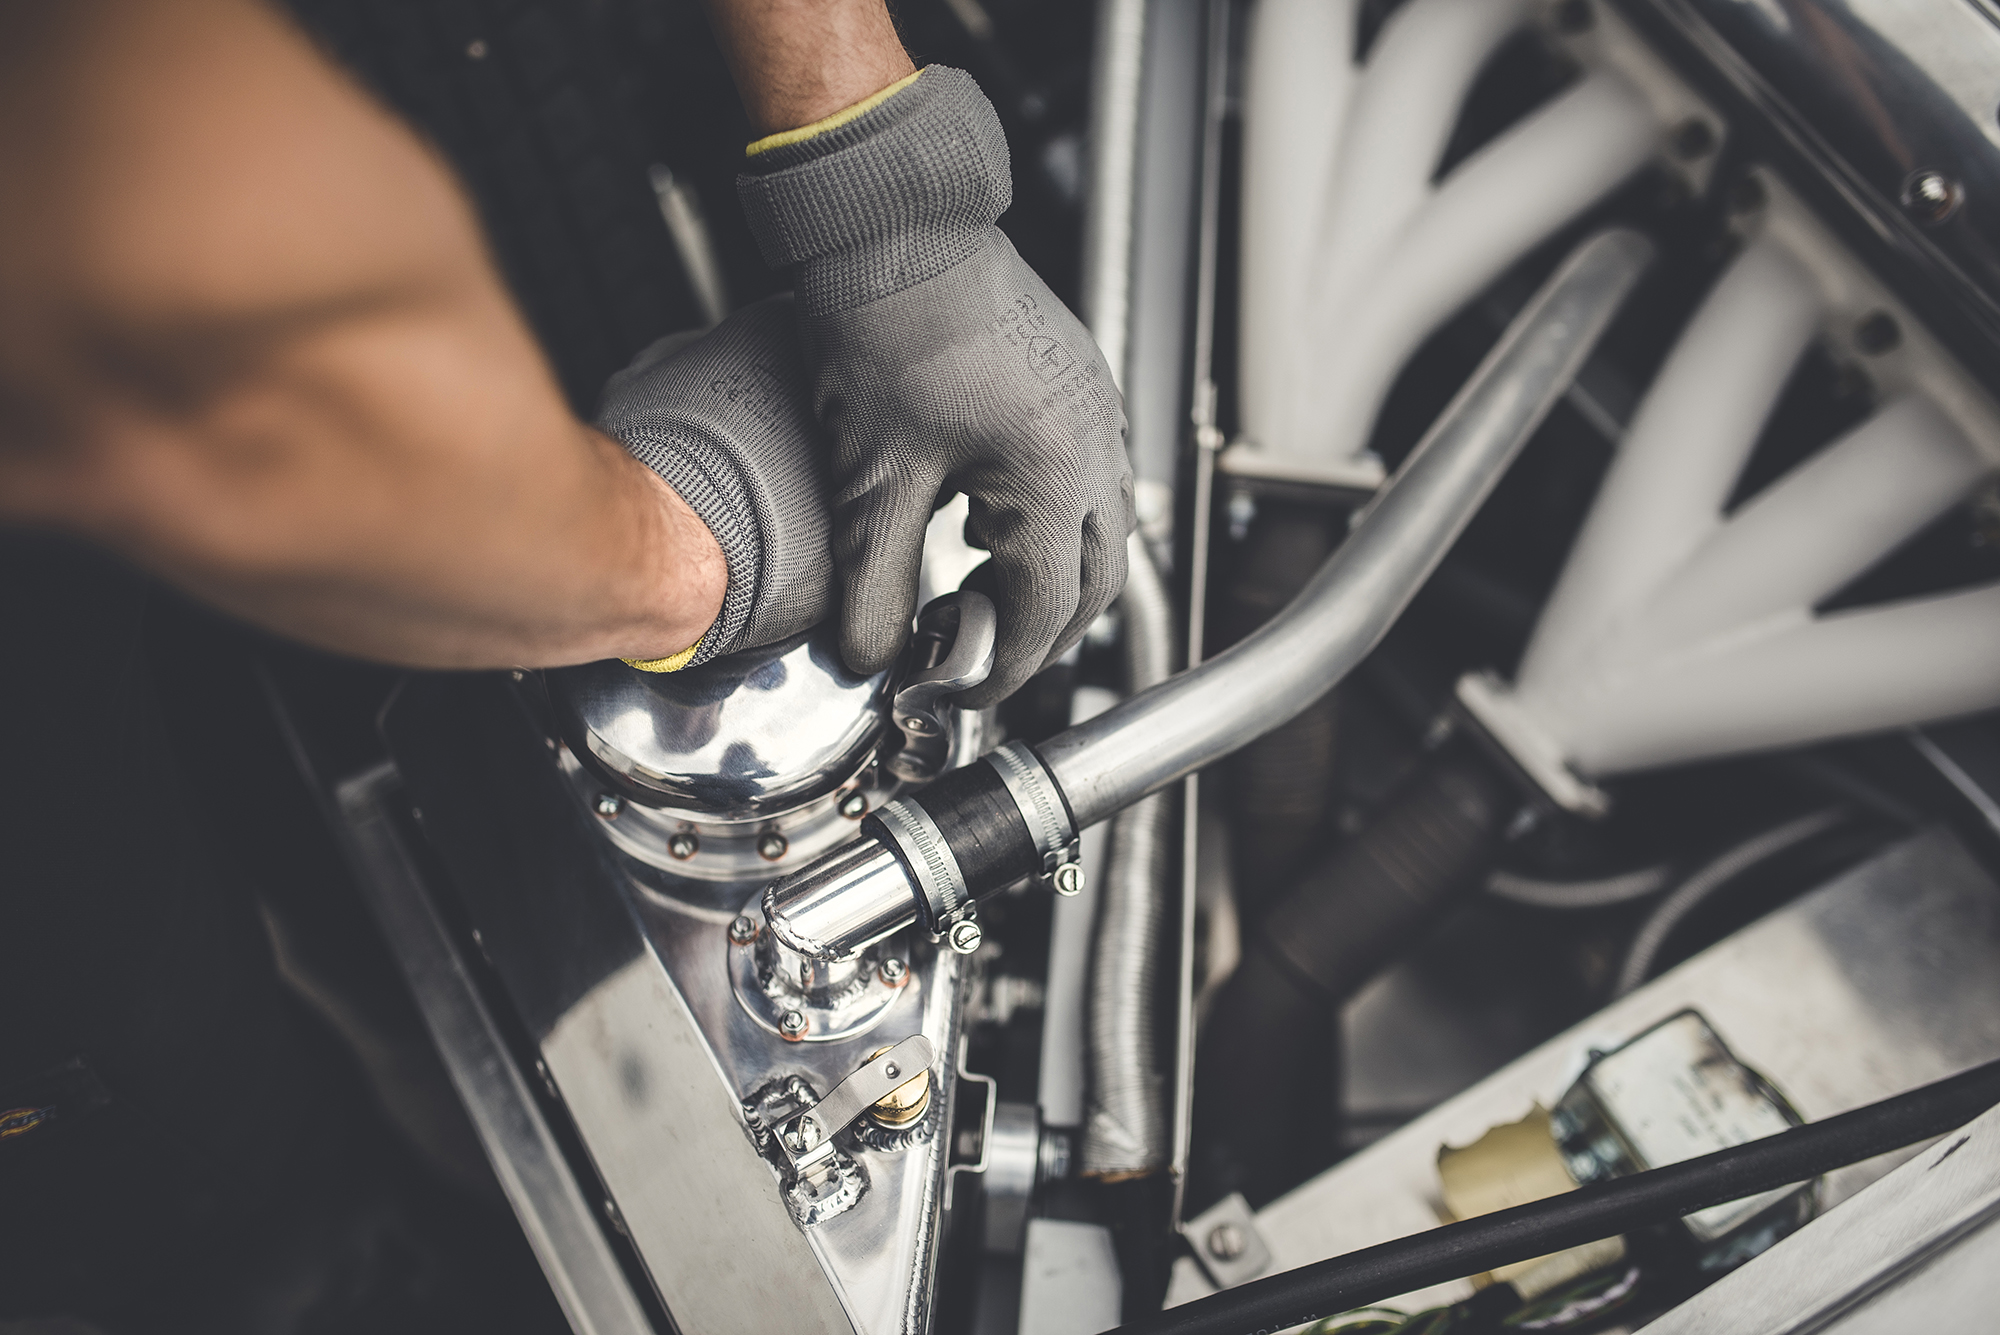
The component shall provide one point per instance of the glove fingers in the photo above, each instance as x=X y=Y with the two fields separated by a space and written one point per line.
x=878 y=556
x=1033 y=580
x=1102 y=580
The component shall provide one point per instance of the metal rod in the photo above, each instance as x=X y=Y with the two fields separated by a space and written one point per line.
x=1601 y=1210
x=1141 y=745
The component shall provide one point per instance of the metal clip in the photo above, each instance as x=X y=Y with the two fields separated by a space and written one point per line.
x=807 y=1136
x=967 y=622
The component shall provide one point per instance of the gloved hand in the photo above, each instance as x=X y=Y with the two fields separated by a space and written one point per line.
x=940 y=362
x=724 y=418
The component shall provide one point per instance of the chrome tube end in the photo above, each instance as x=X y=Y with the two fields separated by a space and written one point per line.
x=843 y=903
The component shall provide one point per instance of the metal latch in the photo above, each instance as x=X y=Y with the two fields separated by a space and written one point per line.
x=807 y=1136
x=967 y=623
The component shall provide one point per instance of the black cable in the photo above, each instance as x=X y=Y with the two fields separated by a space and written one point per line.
x=1601 y=1210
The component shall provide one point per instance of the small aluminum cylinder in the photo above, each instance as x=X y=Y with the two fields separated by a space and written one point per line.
x=845 y=902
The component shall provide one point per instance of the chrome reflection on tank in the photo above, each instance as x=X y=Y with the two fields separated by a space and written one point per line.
x=806 y=1000
x=752 y=736
x=844 y=903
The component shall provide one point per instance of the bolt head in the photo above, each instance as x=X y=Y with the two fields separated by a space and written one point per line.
x=965 y=936
x=1226 y=1242
x=891 y=1071
x=744 y=930
x=609 y=805
x=1931 y=197
x=772 y=846
x=1069 y=879
x=683 y=845
x=805 y=1134
x=793 y=1025
x=476 y=49
x=917 y=724
x=855 y=805
x=894 y=972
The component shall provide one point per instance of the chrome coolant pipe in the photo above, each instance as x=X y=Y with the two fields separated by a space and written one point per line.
x=929 y=857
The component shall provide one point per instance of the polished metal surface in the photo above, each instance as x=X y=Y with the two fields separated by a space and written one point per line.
x=952 y=651
x=751 y=736
x=561 y=1224
x=694 y=846
x=807 y=1000
x=1882 y=97
x=617 y=972
x=854 y=896
x=1145 y=743
x=1884 y=979
x=1013 y=1165
x=808 y=1138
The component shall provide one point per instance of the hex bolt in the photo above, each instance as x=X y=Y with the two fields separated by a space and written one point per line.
x=894 y=972
x=1226 y=1242
x=771 y=846
x=1069 y=879
x=792 y=1025
x=744 y=930
x=683 y=845
x=1693 y=139
x=1878 y=333
x=855 y=805
x=965 y=936
x=1931 y=197
x=609 y=805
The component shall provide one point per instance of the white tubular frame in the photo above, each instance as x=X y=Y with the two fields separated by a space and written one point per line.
x=1352 y=253
x=1678 y=634
x=1301 y=54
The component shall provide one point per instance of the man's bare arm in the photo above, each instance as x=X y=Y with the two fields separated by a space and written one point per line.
x=250 y=336
x=799 y=61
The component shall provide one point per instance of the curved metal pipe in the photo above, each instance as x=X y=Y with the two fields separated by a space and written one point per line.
x=1145 y=743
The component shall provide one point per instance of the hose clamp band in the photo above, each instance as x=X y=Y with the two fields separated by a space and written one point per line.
x=930 y=860
x=1039 y=800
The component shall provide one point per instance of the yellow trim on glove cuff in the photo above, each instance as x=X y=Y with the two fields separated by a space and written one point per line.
x=671 y=663
x=818 y=127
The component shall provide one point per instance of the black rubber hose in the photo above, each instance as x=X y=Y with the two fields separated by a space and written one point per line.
x=1601 y=1210
x=1264 y=1098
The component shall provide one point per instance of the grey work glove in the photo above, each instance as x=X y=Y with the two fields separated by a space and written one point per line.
x=940 y=362
x=724 y=417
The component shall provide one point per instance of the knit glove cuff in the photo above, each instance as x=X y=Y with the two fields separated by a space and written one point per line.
x=898 y=195
x=725 y=422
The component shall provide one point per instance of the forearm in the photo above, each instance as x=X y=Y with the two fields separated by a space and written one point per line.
x=800 y=61
x=249 y=336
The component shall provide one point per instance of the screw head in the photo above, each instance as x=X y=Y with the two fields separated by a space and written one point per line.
x=892 y=1070
x=894 y=972
x=1931 y=197
x=917 y=724
x=1069 y=879
x=771 y=846
x=793 y=1025
x=855 y=805
x=965 y=936
x=1226 y=1242
x=683 y=845
x=609 y=805
x=744 y=930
